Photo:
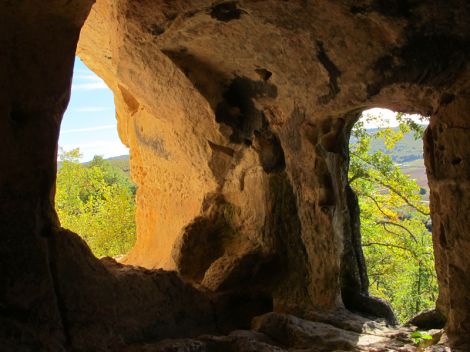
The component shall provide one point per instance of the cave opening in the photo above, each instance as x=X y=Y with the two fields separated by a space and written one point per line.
x=291 y=212
x=388 y=176
x=95 y=196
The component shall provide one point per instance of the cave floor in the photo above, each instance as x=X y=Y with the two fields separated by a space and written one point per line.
x=341 y=331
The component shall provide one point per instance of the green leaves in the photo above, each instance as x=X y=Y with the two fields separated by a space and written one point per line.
x=396 y=241
x=97 y=202
x=418 y=336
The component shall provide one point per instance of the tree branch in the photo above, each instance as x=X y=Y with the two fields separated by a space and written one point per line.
x=392 y=246
x=377 y=205
x=389 y=187
x=384 y=223
x=402 y=197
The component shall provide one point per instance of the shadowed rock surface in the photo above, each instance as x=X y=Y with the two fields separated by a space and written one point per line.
x=428 y=319
x=237 y=114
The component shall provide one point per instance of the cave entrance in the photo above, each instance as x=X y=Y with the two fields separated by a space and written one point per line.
x=95 y=196
x=388 y=175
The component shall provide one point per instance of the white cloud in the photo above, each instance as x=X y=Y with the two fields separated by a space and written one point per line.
x=92 y=109
x=89 y=86
x=89 y=129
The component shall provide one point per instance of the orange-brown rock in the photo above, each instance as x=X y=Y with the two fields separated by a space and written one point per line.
x=237 y=114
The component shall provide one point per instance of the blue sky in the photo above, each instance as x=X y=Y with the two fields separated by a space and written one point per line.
x=89 y=122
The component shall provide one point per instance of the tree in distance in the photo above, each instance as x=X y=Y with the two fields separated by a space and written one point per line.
x=395 y=219
x=96 y=201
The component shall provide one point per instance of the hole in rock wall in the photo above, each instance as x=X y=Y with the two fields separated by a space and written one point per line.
x=95 y=196
x=388 y=175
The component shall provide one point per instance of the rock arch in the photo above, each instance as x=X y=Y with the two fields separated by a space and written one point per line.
x=237 y=115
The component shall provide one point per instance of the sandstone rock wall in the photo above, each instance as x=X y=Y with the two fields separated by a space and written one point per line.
x=447 y=153
x=237 y=114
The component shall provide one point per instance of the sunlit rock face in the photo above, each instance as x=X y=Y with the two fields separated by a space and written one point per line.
x=237 y=114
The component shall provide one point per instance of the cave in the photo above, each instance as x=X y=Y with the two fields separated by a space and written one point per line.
x=237 y=115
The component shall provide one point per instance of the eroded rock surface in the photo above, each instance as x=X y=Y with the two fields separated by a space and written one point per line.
x=239 y=136
x=237 y=114
x=278 y=332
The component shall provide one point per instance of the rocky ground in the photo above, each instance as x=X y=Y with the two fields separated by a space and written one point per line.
x=280 y=332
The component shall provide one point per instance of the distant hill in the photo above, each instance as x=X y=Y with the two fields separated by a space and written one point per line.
x=407 y=149
x=120 y=162
x=119 y=157
x=408 y=153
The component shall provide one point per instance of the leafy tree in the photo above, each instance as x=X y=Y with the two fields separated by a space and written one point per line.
x=112 y=173
x=394 y=216
x=97 y=202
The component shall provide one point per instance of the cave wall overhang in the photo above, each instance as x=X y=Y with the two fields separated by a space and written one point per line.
x=237 y=116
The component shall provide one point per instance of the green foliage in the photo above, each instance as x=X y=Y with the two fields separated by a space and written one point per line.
x=119 y=162
x=406 y=138
x=394 y=216
x=97 y=202
x=418 y=336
